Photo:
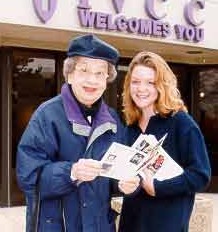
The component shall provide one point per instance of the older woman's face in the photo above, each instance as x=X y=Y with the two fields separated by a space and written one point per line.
x=142 y=87
x=89 y=80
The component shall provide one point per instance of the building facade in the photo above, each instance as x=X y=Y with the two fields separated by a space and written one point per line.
x=34 y=36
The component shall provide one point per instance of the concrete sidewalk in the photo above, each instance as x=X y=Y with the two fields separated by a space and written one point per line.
x=13 y=219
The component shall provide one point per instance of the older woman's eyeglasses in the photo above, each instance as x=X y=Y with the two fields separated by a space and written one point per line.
x=84 y=72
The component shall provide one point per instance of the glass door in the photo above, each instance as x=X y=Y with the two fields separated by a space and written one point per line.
x=33 y=82
x=207 y=102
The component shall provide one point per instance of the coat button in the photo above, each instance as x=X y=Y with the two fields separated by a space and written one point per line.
x=50 y=220
x=84 y=205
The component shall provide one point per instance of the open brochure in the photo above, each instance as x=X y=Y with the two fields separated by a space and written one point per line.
x=145 y=155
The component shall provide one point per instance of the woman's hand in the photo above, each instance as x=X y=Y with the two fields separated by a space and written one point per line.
x=148 y=183
x=130 y=185
x=85 y=170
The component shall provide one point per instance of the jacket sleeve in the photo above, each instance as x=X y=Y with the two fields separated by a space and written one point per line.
x=36 y=160
x=195 y=163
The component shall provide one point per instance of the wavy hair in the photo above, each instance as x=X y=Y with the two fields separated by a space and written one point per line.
x=169 y=98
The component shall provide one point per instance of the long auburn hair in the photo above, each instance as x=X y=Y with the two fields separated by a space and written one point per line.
x=169 y=98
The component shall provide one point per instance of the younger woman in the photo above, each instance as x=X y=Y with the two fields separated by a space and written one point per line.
x=152 y=105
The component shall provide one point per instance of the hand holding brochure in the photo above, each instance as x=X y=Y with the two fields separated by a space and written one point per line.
x=145 y=155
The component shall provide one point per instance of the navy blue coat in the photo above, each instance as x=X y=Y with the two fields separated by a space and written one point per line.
x=55 y=138
x=170 y=209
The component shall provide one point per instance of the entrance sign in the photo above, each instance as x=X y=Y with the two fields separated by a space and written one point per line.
x=155 y=24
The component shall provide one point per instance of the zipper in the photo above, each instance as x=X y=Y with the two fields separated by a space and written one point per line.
x=64 y=218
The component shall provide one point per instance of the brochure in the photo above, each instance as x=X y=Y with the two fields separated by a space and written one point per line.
x=145 y=155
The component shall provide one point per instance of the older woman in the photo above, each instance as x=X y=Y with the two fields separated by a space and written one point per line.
x=152 y=105
x=58 y=156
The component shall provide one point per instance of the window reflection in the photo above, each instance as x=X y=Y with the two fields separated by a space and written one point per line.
x=34 y=73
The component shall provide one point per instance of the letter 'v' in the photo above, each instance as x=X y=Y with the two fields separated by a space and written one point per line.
x=45 y=14
x=118 y=5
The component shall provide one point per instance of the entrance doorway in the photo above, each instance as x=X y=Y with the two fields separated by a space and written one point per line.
x=30 y=77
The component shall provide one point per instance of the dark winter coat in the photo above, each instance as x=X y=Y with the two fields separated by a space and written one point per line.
x=170 y=209
x=55 y=138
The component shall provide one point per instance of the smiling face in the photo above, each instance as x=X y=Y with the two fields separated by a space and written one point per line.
x=142 y=87
x=89 y=80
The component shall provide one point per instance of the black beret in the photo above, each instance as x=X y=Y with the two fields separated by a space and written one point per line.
x=93 y=47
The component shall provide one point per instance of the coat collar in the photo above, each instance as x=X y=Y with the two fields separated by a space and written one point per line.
x=103 y=120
